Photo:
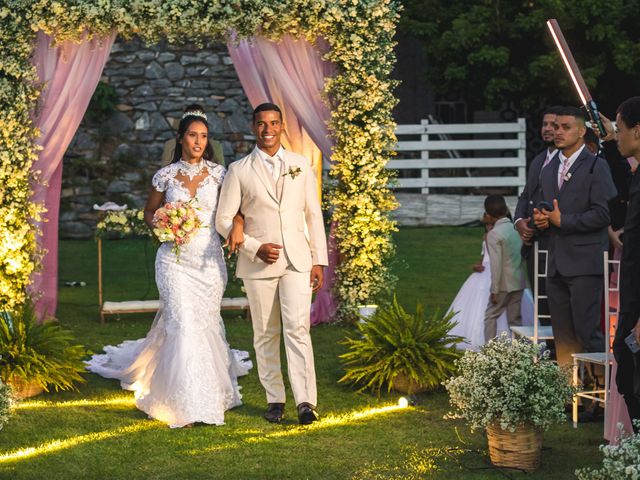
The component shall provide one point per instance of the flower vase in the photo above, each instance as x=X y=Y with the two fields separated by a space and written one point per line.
x=23 y=389
x=519 y=449
x=404 y=384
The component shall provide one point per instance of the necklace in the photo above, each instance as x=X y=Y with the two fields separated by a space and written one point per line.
x=190 y=169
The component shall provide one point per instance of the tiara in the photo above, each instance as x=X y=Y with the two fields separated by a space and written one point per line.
x=194 y=114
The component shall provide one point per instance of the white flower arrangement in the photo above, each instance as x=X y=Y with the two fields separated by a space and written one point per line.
x=6 y=403
x=621 y=461
x=511 y=382
x=360 y=34
x=124 y=223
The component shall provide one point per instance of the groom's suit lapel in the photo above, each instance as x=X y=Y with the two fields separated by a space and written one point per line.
x=262 y=174
x=286 y=178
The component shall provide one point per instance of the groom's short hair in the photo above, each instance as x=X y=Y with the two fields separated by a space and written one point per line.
x=266 y=107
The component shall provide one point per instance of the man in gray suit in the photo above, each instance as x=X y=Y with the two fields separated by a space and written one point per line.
x=578 y=185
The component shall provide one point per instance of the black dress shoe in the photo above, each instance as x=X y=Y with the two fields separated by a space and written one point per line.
x=275 y=412
x=307 y=414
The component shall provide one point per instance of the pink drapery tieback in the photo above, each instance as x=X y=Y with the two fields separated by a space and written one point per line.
x=291 y=73
x=70 y=72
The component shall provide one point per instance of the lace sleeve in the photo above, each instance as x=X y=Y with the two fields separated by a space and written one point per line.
x=217 y=172
x=160 y=179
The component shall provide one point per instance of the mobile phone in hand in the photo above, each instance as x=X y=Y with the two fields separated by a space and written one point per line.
x=632 y=343
x=543 y=204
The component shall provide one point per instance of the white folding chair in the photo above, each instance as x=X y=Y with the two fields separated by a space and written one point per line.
x=536 y=332
x=600 y=395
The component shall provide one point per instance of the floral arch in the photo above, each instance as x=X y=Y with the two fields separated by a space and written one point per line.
x=359 y=34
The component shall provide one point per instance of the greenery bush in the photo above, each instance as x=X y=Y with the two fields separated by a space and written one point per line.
x=6 y=401
x=620 y=462
x=512 y=382
x=38 y=354
x=394 y=342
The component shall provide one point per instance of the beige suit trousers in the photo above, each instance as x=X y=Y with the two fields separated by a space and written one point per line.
x=289 y=297
x=507 y=301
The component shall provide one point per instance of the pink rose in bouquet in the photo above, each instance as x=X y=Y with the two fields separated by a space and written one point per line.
x=176 y=222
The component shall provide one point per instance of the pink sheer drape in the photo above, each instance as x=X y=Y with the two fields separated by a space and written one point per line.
x=291 y=74
x=70 y=73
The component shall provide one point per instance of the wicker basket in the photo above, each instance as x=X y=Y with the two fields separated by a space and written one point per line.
x=519 y=449
x=404 y=384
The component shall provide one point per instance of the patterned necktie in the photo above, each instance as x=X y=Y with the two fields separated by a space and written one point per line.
x=565 y=170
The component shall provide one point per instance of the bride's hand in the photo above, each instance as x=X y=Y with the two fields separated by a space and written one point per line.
x=236 y=236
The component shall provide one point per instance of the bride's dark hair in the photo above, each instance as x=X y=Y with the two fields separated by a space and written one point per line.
x=182 y=129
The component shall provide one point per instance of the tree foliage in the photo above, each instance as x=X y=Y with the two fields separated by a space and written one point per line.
x=492 y=52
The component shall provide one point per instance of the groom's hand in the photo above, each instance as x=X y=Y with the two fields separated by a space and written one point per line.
x=269 y=252
x=317 y=277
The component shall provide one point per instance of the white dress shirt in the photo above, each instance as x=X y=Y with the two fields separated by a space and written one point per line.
x=550 y=153
x=566 y=163
x=273 y=168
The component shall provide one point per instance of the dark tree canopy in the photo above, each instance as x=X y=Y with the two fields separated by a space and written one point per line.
x=496 y=52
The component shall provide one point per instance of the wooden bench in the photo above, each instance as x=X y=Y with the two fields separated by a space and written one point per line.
x=150 y=306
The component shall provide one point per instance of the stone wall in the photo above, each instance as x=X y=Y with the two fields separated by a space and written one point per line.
x=114 y=160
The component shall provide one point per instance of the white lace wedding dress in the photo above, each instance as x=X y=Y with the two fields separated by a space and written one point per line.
x=183 y=371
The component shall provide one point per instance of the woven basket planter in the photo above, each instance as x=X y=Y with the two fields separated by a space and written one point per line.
x=403 y=384
x=520 y=449
x=22 y=389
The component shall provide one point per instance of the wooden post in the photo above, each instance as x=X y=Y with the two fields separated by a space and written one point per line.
x=100 y=280
x=424 y=155
x=522 y=169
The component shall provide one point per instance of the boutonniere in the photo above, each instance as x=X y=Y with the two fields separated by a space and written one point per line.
x=567 y=177
x=293 y=172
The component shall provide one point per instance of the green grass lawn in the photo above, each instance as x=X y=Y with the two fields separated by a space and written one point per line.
x=98 y=433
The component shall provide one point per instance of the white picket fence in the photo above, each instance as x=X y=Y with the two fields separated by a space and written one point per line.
x=438 y=148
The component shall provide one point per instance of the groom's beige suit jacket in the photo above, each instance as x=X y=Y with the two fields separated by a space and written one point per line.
x=249 y=188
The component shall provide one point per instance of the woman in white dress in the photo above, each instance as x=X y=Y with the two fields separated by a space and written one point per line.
x=183 y=371
x=471 y=303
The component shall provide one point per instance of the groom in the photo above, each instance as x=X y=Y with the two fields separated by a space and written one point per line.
x=276 y=192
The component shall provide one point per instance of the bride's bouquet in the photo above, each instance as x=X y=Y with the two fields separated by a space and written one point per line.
x=176 y=222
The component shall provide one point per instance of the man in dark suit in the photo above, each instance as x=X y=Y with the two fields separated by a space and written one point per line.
x=628 y=139
x=579 y=186
x=530 y=196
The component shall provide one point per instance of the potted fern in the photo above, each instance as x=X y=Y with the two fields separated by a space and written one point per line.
x=36 y=357
x=406 y=352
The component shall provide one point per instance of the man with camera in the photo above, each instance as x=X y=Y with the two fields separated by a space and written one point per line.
x=575 y=189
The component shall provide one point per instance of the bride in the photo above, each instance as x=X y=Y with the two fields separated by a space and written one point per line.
x=183 y=371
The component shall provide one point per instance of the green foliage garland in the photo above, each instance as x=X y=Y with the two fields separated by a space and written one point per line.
x=360 y=33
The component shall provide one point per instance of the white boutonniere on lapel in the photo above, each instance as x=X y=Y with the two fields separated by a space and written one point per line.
x=293 y=172
x=567 y=177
